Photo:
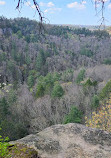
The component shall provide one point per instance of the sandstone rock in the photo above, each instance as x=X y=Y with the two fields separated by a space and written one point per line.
x=70 y=141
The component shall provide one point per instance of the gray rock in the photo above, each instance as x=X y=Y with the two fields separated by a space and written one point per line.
x=70 y=141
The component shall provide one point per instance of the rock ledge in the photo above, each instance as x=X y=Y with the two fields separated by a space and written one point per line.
x=70 y=141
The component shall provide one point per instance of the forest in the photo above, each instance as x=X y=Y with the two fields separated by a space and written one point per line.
x=60 y=76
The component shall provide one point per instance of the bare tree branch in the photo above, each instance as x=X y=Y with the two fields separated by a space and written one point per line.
x=40 y=13
x=41 y=17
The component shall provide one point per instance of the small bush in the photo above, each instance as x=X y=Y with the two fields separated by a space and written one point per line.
x=74 y=116
x=3 y=146
x=101 y=119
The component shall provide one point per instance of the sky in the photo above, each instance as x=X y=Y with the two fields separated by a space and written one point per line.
x=72 y=12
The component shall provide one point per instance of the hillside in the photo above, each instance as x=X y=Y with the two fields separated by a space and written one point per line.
x=45 y=78
x=23 y=49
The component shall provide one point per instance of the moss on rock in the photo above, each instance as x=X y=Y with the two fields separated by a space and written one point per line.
x=22 y=151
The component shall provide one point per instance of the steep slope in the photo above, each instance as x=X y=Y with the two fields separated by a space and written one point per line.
x=22 y=49
x=46 y=111
x=70 y=141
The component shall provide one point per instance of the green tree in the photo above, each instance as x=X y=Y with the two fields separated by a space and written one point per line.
x=46 y=84
x=95 y=102
x=57 y=91
x=4 y=107
x=19 y=33
x=105 y=91
x=74 y=116
x=40 y=90
x=90 y=83
x=40 y=60
x=80 y=76
x=27 y=59
x=86 y=52
x=30 y=81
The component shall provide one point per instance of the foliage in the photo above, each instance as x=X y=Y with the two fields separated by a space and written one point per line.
x=40 y=90
x=90 y=83
x=46 y=84
x=57 y=91
x=40 y=60
x=12 y=97
x=3 y=146
x=74 y=116
x=3 y=56
x=8 y=121
x=22 y=50
x=12 y=128
x=101 y=119
x=67 y=75
x=80 y=76
x=101 y=33
x=105 y=91
x=33 y=74
x=3 y=107
x=86 y=52
x=95 y=102
x=83 y=31
x=30 y=81
x=107 y=61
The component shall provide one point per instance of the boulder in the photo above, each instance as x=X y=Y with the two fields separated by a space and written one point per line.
x=70 y=141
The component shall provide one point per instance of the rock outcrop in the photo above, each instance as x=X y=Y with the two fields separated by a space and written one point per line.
x=70 y=141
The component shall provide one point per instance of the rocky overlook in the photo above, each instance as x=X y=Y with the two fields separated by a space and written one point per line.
x=70 y=141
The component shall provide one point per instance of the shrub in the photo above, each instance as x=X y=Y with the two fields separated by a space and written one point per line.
x=101 y=120
x=74 y=116
x=3 y=147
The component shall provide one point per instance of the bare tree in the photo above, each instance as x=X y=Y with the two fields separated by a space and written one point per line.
x=41 y=17
x=21 y=2
x=38 y=10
